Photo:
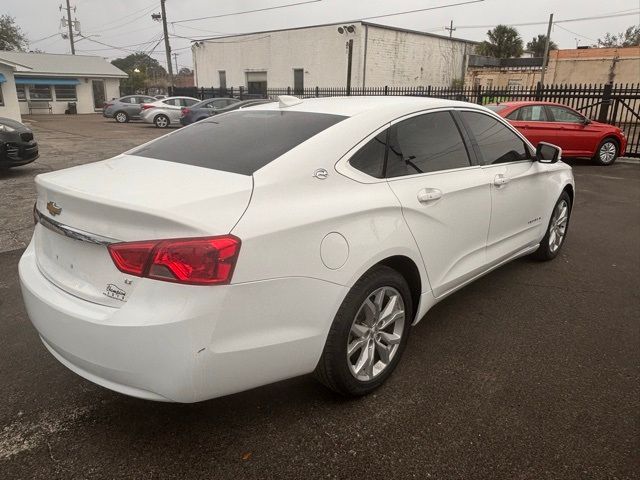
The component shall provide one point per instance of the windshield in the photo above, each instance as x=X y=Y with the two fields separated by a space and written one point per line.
x=239 y=142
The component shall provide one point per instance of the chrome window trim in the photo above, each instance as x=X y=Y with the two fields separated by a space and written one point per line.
x=71 y=232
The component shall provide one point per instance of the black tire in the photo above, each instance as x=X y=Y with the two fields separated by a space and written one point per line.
x=161 y=121
x=605 y=149
x=546 y=251
x=333 y=368
x=121 y=117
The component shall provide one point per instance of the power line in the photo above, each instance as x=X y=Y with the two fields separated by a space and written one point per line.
x=575 y=33
x=246 y=11
x=568 y=20
x=129 y=22
x=44 y=38
x=437 y=7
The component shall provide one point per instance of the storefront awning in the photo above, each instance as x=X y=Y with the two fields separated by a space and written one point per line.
x=2 y=79
x=46 y=81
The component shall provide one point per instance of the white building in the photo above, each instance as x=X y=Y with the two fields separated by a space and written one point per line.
x=38 y=81
x=317 y=56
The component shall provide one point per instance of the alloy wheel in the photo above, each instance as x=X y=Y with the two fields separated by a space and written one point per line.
x=121 y=117
x=558 y=225
x=376 y=333
x=161 y=121
x=607 y=152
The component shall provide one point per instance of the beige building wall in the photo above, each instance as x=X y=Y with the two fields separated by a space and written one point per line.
x=593 y=65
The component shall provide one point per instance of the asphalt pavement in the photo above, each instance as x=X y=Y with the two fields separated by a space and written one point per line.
x=532 y=372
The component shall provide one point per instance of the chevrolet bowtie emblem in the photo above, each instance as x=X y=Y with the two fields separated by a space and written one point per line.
x=53 y=208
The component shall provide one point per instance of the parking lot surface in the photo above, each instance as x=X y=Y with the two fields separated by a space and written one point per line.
x=532 y=372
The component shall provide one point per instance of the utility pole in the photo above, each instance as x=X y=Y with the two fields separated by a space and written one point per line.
x=545 y=60
x=349 y=61
x=70 y=25
x=450 y=28
x=167 y=47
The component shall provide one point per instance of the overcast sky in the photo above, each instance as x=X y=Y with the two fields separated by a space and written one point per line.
x=128 y=23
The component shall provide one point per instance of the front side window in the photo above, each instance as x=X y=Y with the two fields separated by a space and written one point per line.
x=65 y=92
x=496 y=142
x=238 y=142
x=426 y=143
x=188 y=102
x=531 y=113
x=370 y=158
x=40 y=92
x=561 y=114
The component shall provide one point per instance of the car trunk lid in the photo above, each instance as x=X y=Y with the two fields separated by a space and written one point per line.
x=126 y=198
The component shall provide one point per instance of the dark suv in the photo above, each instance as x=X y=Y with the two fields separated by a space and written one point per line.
x=17 y=145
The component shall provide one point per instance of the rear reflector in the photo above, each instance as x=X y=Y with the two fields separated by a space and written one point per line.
x=193 y=261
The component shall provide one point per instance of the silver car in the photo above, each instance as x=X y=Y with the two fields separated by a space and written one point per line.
x=167 y=111
x=126 y=108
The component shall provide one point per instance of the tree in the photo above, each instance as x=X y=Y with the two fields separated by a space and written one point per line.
x=504 y=42
x=185 y=71
x=537 y=45
x=630 y=38
x=11 y=37
x=143 y=70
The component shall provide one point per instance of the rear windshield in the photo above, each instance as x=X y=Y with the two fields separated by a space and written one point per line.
x=496 y=108
x=239 y=142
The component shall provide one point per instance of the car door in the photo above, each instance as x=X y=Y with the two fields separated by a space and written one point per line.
x=532 y=122
x=444 y=196
x=137 y=103
x=573 y=133
x=173 y=109
x=517 y=185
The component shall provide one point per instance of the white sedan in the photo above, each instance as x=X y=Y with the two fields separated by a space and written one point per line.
x=166 y=111
x=288 y=238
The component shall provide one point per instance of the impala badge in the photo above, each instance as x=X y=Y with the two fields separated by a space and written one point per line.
x=53 y=208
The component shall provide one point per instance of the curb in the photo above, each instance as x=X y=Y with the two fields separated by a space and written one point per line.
x=635 y=161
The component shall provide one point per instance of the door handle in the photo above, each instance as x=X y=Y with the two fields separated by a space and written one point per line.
x=427 y=195
x=500 y=180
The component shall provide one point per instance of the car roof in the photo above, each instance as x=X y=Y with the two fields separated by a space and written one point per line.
x=522 y=103
x=358 y=105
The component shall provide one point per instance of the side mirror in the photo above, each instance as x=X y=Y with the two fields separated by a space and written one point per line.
x=586 y=121
x=548 y=153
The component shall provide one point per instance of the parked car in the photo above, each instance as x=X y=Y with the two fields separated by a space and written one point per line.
x=203 y=110
x=570 y=130
x=17 y=144
x=125 y=108
x=282 y=239
x=167 y=111
x=159 y=97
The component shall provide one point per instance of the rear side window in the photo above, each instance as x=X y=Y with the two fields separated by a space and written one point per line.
x=531 y=113
x=370 y=158
x=239 y=142
x=497 y=143
x=426 y=143
x=172 y=101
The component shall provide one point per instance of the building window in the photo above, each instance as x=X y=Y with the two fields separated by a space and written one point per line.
x=514 y=82
x=40 y=92
x=21 y=90
x=65 y=92
x=223 y=78
x=257 y=83
x=1 y=97
x=298 y=81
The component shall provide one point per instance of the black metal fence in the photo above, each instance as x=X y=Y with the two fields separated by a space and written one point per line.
x=616 y=104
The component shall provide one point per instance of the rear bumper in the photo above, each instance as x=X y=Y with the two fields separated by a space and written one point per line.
x=185 y=343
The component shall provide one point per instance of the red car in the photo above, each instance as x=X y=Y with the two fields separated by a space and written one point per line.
x=573 y=132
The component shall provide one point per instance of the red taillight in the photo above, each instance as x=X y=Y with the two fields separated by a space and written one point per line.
x=195 y=261
x=146 y=106
x=106 y=105
x=185 y=112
